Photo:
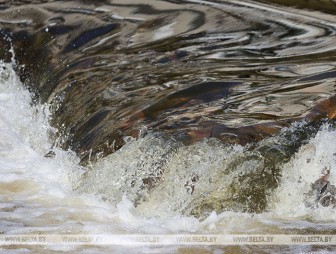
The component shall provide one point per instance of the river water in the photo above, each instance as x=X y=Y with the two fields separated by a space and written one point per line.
x=166 y=117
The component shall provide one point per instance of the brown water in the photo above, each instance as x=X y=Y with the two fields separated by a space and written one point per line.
x=181 y=107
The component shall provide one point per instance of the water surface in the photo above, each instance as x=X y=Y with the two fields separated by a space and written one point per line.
x=166 y=117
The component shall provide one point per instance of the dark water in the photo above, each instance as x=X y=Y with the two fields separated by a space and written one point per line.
x=194 y=69
x=182 y=71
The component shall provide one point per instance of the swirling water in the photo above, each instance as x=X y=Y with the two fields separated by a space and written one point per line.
x=180 y=116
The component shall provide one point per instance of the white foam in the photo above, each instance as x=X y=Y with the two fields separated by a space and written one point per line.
x=38 y=194
x=301 y=172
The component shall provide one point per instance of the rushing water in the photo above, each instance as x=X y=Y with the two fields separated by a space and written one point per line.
x=166 y=117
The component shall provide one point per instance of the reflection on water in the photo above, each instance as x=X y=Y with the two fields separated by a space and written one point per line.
x=111 y=67
x=182 y=107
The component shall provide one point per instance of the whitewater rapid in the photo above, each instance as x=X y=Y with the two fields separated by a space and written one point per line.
x=37 y=195
x=55 y=195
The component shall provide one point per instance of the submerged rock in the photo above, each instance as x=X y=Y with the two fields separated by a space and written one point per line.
x=322 y=192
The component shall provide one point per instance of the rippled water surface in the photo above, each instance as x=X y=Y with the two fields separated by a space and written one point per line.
x=166 y=116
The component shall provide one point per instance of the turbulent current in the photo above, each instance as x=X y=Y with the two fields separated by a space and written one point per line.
x=166 y=117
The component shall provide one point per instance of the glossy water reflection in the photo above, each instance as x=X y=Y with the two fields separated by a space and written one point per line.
x=110 y=67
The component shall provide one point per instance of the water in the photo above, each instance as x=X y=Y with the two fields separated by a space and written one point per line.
x=165 y=117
